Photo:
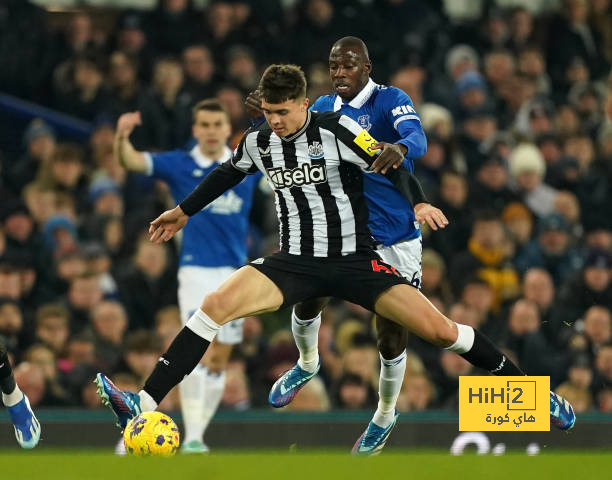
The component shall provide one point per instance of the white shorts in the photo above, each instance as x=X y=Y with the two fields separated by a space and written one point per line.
x=197 y=282
x=405 y=256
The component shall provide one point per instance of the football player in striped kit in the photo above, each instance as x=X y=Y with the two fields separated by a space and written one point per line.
x=325 y=244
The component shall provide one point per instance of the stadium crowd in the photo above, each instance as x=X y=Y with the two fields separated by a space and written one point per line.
x=519 y=159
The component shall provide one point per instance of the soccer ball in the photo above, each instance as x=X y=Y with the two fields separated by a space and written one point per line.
x=151 y=433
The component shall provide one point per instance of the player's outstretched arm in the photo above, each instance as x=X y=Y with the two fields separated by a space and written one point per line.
x=125 y=153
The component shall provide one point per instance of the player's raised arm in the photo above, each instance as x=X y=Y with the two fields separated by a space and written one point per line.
x=125 y=153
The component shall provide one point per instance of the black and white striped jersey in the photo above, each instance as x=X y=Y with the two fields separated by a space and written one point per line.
x=316 y=176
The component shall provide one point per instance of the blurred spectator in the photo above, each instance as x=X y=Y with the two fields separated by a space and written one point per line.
x=236 y=395
x=11 y=322
x=172 y=25
x=39 y=140
x=352 y=392
x=142 y=349
x=31 y=381
x=591 y=286
x=551 y=250
x=417 y=393
x=109 y=322
x=538 y=288
x=490 y=188
x=452 y=200
x=527 y=168
x=433 y=281
x=52 y=327
x=488 y=256
x=452 y=367
x=43 y=358
x=518 y=223
x=148 y=284
x=84 y=293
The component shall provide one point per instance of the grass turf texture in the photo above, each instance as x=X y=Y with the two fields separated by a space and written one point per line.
x=43 y=464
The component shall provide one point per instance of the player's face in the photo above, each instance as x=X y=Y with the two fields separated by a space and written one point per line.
x=349 y=71
x=287 y=117
x=211 y=130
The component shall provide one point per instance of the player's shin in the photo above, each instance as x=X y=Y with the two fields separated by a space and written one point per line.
x=389 y=386
x=480 y=352
x=306 y=335
x=182 y=356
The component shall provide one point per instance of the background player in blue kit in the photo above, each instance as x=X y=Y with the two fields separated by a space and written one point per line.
x=388 y=114
x=213 y=246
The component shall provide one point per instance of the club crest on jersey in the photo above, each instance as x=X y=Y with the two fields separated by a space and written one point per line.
x=364 y=122
x=315 y=151
x=297 y=177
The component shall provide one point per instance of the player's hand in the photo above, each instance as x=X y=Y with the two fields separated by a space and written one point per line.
x=252 y=105
x=392 y=156
x=167 y=224
x=127 y=122
x=427 y=213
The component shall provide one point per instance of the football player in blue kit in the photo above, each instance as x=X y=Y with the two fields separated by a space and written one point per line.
x=213 y=246
x=388 y=114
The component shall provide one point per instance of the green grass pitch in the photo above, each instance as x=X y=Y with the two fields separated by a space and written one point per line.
x=47 y=464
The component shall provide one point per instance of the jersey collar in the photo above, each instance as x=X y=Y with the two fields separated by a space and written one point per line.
x=203 y=161
x=360 y=99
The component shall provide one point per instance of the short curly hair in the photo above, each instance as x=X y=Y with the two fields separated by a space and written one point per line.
x=280 y=83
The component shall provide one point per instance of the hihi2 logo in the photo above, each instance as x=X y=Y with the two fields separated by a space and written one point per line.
x=504 y=403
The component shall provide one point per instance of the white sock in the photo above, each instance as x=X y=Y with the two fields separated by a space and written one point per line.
x=465 y=339
x=13 y=398
x=214 y=387
x=389 y=386
x=192 y=391
x=306 y=335
x=147 y=404
x=203 y=325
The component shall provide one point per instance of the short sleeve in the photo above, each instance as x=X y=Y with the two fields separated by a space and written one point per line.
x=162 y=165
x=398 y=108
x=241 y=160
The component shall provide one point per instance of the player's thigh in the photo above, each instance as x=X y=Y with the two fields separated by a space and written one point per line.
x=408 y=307
x=405 y=256
x=218 y=354
x=246 y=292
x=194 y=283
x=310 y=308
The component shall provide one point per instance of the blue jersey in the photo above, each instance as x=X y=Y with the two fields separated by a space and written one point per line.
x=217 y=235
x=389 y=116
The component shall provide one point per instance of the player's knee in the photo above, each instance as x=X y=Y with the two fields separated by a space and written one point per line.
x=445 y=334
x=391 y=341
x=215 y=306
x=310 y=308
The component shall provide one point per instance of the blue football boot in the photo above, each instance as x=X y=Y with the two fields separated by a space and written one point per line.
x=124 y=404
x=373 y=440
x=289 y=384
x=27 y=427
x=561 y=412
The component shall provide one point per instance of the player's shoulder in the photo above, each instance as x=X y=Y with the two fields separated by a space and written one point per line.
x=389 y=93
x=260 y=127
x=324 y=103
x=327 y=120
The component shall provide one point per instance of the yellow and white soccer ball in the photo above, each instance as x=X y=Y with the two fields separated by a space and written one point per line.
x=151 y=433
